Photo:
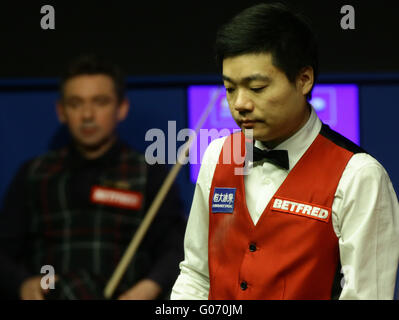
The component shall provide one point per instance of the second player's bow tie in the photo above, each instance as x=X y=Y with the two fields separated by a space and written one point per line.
x=277 y=157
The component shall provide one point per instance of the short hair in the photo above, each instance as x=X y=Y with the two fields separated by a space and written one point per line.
x=270 y=28
x=90 y=64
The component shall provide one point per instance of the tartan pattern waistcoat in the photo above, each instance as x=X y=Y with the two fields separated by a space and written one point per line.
x=83 y=240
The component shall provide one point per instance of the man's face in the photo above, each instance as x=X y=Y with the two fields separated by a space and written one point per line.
x=261 y=97
x=91 y=110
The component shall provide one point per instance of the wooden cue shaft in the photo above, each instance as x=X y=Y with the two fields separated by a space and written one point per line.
x=149 y=216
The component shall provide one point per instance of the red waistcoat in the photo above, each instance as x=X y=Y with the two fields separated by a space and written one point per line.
x=292 y=252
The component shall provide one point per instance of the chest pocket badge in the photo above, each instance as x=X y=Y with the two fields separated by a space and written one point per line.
x=116 y=198
x=223 y=200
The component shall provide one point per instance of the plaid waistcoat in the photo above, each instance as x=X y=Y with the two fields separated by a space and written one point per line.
x=83 y=240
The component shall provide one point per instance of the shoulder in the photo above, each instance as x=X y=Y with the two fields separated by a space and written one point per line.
x=363 y=180
x=340 y=140
x=35 y=165
x=365 y=166
x=46 y=160
x=126 y=148
x=362 y=165
x=128 y=154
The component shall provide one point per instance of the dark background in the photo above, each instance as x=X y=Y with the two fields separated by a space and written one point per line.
x=164 y=46
x=170 y=37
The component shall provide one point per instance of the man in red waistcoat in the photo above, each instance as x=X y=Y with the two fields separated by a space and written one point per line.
x=313 y=205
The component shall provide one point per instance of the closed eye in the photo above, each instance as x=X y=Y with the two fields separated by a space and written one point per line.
x=230 y=90
x=72 y=103
x=257 y=90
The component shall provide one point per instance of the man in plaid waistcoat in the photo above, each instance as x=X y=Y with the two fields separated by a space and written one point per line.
x=74 y=210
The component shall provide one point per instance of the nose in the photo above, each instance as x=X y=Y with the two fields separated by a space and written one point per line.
x=243 y=102
x=88 y=111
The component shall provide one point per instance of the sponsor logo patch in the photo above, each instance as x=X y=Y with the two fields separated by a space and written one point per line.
x=301 y=209
x=116 y=197
x=223 y=200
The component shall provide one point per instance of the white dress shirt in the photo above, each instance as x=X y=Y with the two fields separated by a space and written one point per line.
x=365 y=218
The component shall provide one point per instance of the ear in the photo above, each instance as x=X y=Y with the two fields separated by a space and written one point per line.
x=305 y=80
x=123 y=110
x=60 y=112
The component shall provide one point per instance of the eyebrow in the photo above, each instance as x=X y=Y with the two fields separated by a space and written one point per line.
x=73 y=97
x=96 y=96
x=250 y=78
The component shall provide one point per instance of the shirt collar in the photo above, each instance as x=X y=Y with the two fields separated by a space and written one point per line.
x=298 y=143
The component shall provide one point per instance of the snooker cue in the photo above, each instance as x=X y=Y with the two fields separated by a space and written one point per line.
x=153 y=209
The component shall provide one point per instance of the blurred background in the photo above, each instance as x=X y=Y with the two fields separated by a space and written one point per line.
x=165 y=48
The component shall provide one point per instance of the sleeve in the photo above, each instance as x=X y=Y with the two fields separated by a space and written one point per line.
x=368 y=230
x=193 y=280
x=13 y=231
x=165 y=236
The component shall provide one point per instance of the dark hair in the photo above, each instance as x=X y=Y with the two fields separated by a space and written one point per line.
x=91 y=65
x=271 y=28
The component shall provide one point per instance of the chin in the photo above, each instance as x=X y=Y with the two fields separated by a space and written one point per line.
x=90 y=144
x=256 y=134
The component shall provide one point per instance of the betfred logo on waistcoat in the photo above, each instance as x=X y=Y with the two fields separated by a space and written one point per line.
x=116 y=197
x=223 y=200
x=301 y=209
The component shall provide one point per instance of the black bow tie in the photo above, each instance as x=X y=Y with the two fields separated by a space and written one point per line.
x=277 y=157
